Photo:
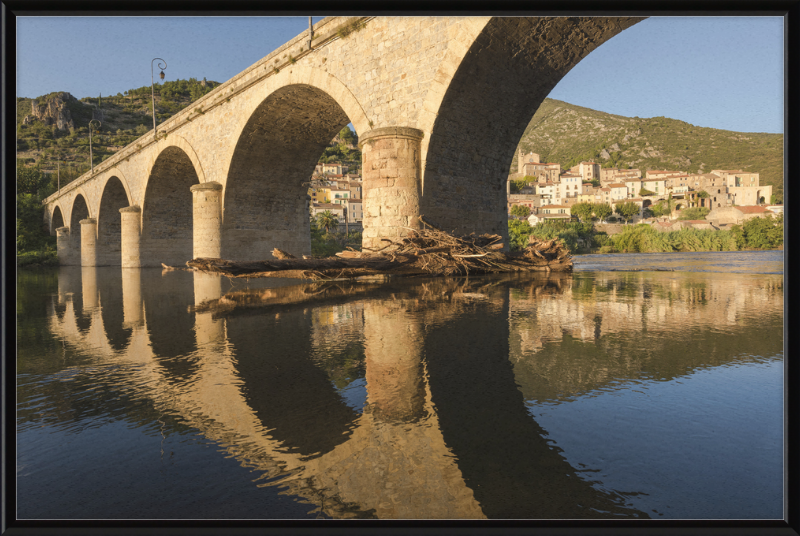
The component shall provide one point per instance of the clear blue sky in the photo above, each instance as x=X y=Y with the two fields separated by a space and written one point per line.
x=720 y=72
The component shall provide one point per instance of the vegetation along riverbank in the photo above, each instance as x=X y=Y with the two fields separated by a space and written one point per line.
x=755 y=233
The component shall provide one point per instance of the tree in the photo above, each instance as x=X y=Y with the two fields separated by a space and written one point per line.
x=347 y=135
x=520 y=210
x=602 y=211
x=645 y=191
x=30 y=180
x=583 y=211
x=518 y=233
x=702 y=194
x=327 y=220
x=627 y=209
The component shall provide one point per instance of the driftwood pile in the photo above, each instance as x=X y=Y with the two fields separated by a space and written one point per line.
x=424 y=252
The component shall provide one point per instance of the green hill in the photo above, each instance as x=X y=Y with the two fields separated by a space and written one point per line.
x=565 y=133
x=123 y=117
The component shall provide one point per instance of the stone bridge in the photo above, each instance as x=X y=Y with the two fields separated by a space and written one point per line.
x=439 y=105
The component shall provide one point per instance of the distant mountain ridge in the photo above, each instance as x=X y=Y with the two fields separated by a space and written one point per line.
x=567 y=134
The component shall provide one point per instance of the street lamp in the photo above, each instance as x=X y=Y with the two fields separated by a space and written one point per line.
x=91 y=160
x=152 y=88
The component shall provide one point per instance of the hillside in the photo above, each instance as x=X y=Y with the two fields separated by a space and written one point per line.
x=565 y=133
x=54 y=127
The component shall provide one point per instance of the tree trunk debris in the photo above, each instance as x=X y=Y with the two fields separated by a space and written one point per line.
x=425 y=252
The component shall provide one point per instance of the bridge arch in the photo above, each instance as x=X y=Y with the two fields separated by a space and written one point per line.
x=265 y=202
x=179 y=142
x=56 y=219
x=477 y=115
x=166 y=235
x=79 y=210
x=115 y=195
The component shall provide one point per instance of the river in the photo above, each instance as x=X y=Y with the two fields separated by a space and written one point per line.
x=654 y=393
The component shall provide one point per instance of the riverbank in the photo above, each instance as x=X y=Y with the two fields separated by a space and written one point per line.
x=31 y=259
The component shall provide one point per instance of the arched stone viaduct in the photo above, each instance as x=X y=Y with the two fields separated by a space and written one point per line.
x=439 y=105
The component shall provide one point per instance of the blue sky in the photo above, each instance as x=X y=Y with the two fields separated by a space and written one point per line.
x=720 y=72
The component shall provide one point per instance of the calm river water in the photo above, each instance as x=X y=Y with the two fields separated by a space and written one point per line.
x=597 y=394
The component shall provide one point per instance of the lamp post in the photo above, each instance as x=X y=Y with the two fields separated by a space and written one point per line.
x=91 y=160
x=152 y=88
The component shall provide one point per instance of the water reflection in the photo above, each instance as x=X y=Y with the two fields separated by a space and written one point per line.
x=400 y=400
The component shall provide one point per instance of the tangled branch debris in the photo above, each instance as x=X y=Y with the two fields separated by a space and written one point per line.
x=427 y=252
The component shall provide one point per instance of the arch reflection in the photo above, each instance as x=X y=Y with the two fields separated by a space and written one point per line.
x=441 y=430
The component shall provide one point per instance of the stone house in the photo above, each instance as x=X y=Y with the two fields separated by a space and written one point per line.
x=525 y=158
x=554 y=210
x=619 y=175
x=588 y=171
x=662 y=173
x=337 y=210
x=696 y=224
x=737 y=214
x=570 y=187
x=618 y=191
x=355 y=213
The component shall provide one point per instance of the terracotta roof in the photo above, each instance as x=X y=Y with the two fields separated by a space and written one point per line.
x=616 y=185
x=605 y=189
x=696 y=221
x=555 y=206
x=752 y=210
x=326 y=205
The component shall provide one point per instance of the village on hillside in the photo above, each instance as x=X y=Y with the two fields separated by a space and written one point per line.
x=547 y=192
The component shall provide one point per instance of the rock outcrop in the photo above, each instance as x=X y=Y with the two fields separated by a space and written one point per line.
x=53 y=112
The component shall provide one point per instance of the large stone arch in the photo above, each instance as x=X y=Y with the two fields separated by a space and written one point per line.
x=495 y=88
x=166 y=235
x=265 y=201
x=114 y=196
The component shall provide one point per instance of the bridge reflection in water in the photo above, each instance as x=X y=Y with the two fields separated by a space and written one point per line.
x=272 y=373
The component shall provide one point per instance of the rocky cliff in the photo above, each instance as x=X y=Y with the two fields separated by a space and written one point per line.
x=53 y=112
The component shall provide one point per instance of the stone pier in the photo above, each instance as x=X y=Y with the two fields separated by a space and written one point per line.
x=393 y=342
x=207 y=287
x=391 y=182
x=89 y=287
x=67 y=255
x=130 y=236
x=132 y=305
x=207 y=219
x=89 y=242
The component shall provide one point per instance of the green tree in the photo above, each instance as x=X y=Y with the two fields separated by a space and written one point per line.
x=627 y=209
x=763 y=233
x=327 y=220
x=645 y=191
x=347 y=135
x=583 y=211
x=602 y=211
x=702 y=194
x=520 y=210
x=31 y=180
x=518 y=233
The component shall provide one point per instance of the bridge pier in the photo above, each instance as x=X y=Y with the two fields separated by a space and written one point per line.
x=207 y=287
x=89 y=242
x=132 y=309
x=89 y=293
x=391 y=181
x=393 y=341
x=66 y=252
x=207 y=219
x=130 y=236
